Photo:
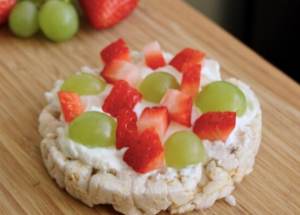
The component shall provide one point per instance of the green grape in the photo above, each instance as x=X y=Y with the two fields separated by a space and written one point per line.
x=93 y=129
x=222 y=96
x=155 y=86
x=183 y=148
x=23 y=19
x=83 y=84
x=58 y=20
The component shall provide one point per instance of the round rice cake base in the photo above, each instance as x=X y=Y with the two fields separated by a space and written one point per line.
x=133 y=193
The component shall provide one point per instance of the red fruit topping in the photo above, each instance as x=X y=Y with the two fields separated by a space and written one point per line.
x=156 y=117
x=70 y=104
x=126 y=134
x=122 y=96
x=147 y=154
x=121 y=70
x=179 y=105
x=191 y=79
x=179 y=59
x=215 y=125
x=5 y=7
x=115 y=51
x=153 y=55
x=187 y=55
x=106 y=13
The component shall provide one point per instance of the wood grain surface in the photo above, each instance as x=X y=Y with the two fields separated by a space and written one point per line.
x=29 y=67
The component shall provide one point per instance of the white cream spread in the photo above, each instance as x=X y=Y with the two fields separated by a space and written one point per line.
x=112 y=159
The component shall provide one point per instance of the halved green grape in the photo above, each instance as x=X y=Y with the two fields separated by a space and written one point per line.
x=155 y=86
x=23 y=19
x=93 y=129
x=222 y=96
x=183 y=148
x=58 y=20
x=83 y=84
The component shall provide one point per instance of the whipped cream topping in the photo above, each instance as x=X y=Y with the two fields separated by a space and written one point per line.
x=112 y=159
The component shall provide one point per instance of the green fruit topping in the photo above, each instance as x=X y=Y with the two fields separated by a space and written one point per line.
x=155 y=86
x=183 y=148
x=83 y=84
x=222 y=96
x=93 y=129
x=58 y=20
x=23 y=19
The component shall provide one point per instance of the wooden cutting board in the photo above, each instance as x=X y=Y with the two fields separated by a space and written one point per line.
x=29 y=67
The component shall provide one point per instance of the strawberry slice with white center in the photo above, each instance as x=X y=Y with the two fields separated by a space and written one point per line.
x=156 y=117
x=115 y=51
x=122 y=96
x=147 y=154
x=153 y=56
x=179 y=105
x=121 y=70
x=187 y=55
x=215 y=125
x=126 y=134
x=191 y=79
x=70 y=104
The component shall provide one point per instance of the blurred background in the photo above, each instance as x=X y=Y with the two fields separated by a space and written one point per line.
x=270 y=27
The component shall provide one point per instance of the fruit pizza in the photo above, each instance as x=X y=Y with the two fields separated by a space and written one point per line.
x=150 y=131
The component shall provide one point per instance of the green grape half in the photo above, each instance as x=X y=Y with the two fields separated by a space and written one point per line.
x=83 y=84
x=222 y=96
x=155 y=86
x=58 y=20
x=93 y=129
x=183 y=148
x=23 y=19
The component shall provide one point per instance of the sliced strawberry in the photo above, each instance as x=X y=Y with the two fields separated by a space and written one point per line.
x=179 y=105
x=156 y=117
x=106 y=13
x=115 y=51
x=191 y=79
x=122 y=96
x=121 y=70
x=179 y=59
x=215 y=125
x=147 y=154
x=197 y=57
x=70 y=104
x=153 y=55
x=5 y=7
x=187 y=55
x=126 y=134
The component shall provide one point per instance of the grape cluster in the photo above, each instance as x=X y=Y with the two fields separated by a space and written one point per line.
x=57 y=19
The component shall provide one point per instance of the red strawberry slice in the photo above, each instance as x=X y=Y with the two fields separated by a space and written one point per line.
x=70 y=104
x=122 y=96
x=126 y=134
x=215 y=125
x=179 y=59
x=5 y=7
x=121 y=70
x=106 y=13
x=147 y=154
x=187 y=55
x=179 y=105
x=153 y=55
x=115 y=51
x=156 y=117
x=191 y=79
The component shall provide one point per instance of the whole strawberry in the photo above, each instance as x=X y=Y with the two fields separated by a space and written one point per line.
x=5 y=8
x=106 y=13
